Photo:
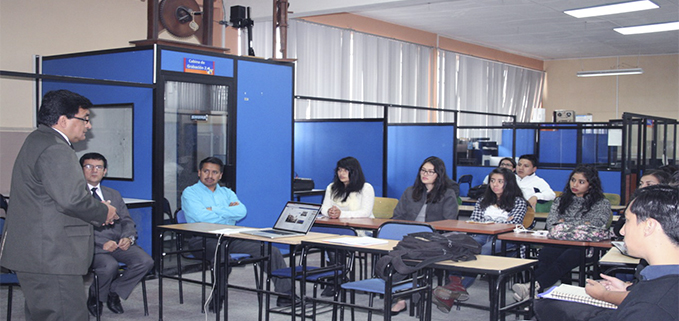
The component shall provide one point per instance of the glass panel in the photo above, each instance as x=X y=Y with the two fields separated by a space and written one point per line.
x=195 y=128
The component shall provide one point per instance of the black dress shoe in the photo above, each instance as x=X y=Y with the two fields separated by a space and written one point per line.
x=284 y=301
x=113 y=303
x=92 y=306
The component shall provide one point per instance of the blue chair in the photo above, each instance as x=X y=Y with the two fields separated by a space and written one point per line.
x=374 y=286
x=465 y=179
x=238 y=258
x=324 y=278
x=7 y=277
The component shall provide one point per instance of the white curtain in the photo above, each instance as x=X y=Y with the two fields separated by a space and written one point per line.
x=344 y=64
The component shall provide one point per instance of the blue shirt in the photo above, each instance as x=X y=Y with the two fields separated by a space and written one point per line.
x=197 y=198
x=653 y=272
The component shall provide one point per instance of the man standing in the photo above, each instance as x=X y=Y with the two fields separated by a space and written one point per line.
x=49 y=228
x=207 y=201
x=113 y=243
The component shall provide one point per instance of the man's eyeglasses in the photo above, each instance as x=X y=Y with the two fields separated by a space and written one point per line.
x=426 y=172
x=90 y=167
x=83 y=119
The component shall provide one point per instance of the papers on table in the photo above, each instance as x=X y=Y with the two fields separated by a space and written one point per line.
x=227 y=231
x=475 y=222
x=357 y=241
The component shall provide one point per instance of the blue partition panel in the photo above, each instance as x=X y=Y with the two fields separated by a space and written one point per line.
x=320 y=144
x=525 y=142
x=133 y=66
x=594 y=147
x=558 y=146
x=137 y=66
x=408 y=146
x=557 y=178
x=264 y=140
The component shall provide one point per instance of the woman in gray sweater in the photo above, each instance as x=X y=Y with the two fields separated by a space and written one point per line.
x=581 y=203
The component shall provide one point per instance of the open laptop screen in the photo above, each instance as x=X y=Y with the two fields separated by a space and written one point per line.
x=297 y=217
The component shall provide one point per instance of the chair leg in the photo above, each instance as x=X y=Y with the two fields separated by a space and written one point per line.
x=143 y=292
x=179 y=278
x=9 y=303
x=96 y=295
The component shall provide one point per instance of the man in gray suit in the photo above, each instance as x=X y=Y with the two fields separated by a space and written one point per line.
x=113 y=243
x=48 y=232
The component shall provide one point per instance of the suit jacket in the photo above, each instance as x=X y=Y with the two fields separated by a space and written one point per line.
x=444 y=209
x=50 y=220
x=125 y=227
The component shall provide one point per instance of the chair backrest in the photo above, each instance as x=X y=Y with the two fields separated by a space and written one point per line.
x=543 y=207
x=384 y=207
x=529 y=218
x=179 y=216
x=397 y=230
x=465 y=179
x=339 y=230
x=613 y=198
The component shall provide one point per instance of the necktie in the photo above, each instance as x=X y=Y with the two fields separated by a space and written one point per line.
x=95 y=195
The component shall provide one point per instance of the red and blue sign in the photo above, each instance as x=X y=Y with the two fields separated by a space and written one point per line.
x=199 y=66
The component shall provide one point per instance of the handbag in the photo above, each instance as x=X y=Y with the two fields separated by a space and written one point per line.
x=578 y=232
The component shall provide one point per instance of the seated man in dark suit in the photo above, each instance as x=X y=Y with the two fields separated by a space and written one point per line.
x=113 y=243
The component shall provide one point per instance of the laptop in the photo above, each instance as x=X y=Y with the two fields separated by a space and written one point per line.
x=296 y=219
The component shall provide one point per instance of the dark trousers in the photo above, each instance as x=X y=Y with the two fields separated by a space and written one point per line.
x=106 y=266
x=253 y=248
x=554 y=262
x=556 y=310
x=53 y=297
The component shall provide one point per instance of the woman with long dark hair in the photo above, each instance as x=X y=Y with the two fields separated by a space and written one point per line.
x=431 y=198
x=581 y=203
x=349 y=195
x=502 y=202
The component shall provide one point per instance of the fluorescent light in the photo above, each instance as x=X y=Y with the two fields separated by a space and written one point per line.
x=612 y=9
x=658 y=27
x=610 y=72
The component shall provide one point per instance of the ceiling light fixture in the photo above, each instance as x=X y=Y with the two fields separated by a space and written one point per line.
x=612 y=9
x=611 y=72
x=658 y=27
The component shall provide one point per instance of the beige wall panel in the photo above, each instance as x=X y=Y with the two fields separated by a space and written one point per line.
x=656 y=92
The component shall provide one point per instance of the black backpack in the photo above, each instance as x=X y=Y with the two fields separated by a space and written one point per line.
x=429 y=247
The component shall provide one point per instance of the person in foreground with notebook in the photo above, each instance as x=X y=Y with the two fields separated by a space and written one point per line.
x=651 y=233
x=208 y=202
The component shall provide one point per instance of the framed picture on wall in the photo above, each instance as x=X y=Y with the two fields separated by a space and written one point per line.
x=112 y=136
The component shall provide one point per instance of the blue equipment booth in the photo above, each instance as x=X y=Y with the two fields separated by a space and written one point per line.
x=187 y=105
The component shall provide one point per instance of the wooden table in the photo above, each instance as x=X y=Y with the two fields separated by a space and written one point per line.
x=529 y=238
x=615 y=260
x=496 y=267
x=471 y=227
x=213 y=230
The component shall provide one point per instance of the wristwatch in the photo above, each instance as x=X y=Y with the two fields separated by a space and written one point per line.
x=132 y=239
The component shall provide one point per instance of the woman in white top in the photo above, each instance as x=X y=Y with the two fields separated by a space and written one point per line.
x=349 y=195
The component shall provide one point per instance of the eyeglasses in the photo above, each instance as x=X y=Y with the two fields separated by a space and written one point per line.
x=426 y=172
x=507 y=165
x=90 y=167
x=83 y=119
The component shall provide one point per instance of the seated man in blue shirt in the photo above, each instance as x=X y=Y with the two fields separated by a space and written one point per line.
x=208 y=202
x=651 y=233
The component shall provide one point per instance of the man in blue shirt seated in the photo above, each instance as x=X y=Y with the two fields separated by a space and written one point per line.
x=651 y=233
x=208 y=202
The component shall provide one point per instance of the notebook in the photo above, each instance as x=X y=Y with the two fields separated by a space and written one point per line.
x=567 y=292
x=296 y=219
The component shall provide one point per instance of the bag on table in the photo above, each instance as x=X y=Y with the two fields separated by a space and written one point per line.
x=579 y=232
x=429 y=247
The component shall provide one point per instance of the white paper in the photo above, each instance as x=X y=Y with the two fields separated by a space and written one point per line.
x=227 y=231
x=361 y=241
